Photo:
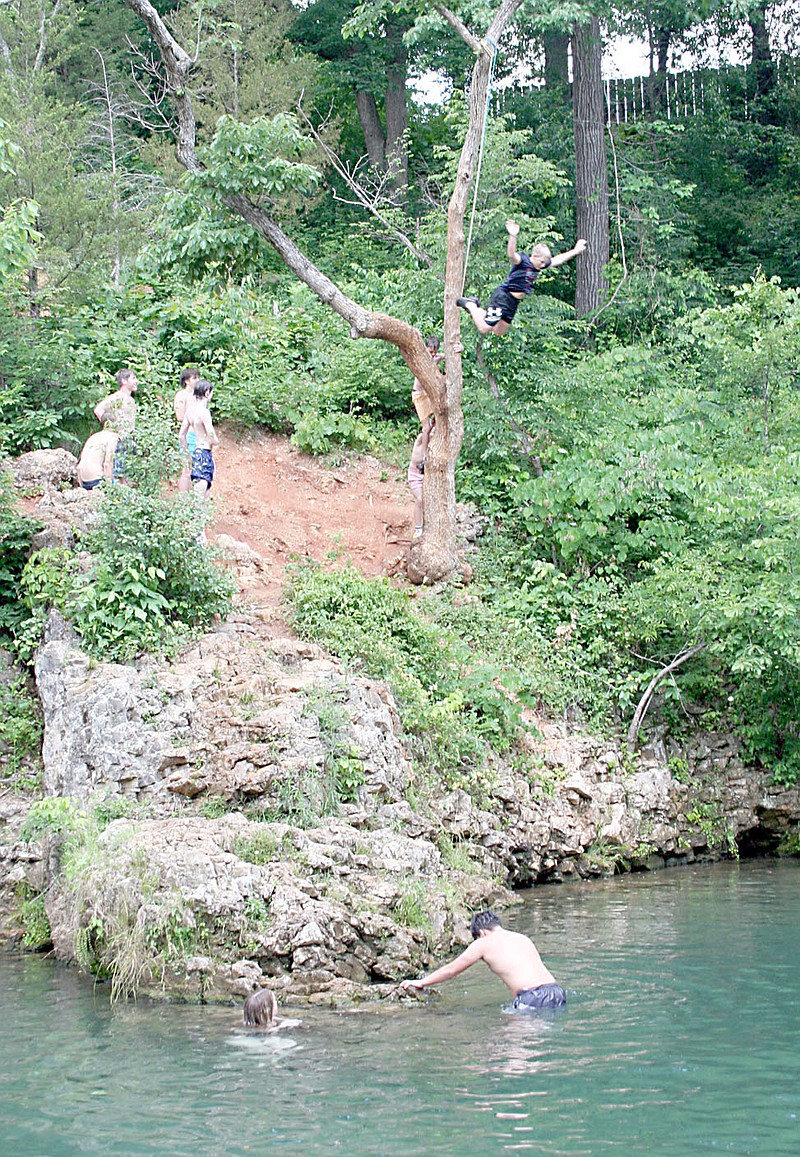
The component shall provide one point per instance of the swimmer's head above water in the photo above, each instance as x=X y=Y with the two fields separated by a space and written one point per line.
x=260 y=1008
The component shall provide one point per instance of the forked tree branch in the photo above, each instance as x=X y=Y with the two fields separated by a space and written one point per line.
x=644 y=702
x=434 y=557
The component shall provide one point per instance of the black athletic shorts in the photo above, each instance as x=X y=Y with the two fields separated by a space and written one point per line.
x=502 y=307
x=545 y=996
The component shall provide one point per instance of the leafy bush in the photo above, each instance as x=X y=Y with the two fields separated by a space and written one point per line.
x=150 y=580
x=46 y=389
x=451 y=703
x=16 y=531
x=320 y=433
x=55 y=816
x=36 y=933
x=153 y=455
x=20 y=732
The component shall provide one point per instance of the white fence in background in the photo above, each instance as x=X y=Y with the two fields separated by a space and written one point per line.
x=680 y=95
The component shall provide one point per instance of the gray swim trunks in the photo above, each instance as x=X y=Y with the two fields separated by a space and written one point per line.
x=544 y=996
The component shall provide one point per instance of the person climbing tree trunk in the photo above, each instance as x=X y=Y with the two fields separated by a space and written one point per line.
x=591 y=167
x=434 y=556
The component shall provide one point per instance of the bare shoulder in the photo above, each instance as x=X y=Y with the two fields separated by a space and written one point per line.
x=286 y=1022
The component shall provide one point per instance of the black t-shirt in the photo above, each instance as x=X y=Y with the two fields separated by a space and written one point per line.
x=521 y=277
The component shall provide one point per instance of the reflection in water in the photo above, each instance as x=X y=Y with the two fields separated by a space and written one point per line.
x=262 y=1044
x=679 y=1035
x=522 y=1042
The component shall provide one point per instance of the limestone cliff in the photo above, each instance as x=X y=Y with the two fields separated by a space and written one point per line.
x=272 y=828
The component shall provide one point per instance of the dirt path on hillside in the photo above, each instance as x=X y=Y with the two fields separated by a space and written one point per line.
x=287 y=506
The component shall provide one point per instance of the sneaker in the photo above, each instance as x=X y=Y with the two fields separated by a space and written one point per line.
x=465 y=301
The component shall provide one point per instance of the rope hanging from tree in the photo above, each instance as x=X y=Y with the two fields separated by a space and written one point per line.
x=489 y=41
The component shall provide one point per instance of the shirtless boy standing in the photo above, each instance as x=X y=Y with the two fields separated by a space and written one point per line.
x=97 y=458
x=511 y=956
x=197 y=420
x=190 y=376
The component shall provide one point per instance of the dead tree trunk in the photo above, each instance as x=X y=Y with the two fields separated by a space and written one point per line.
x=434 y=557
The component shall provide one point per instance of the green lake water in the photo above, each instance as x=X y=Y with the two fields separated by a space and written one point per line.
x=681 y=1037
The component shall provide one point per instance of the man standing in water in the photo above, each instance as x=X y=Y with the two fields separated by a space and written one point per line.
x=511 y=956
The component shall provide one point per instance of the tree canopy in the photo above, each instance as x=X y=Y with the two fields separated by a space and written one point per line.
x=631 y=442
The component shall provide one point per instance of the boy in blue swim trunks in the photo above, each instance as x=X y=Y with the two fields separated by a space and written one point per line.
x=190 y=376
x=511 y=956
x=525 y=268
x=197 y=421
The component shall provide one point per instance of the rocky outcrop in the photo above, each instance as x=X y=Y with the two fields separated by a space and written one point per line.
x=40 y=471
x=322 y=913
x=273 y=828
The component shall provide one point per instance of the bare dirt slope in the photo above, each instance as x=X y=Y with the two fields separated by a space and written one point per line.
x=286 y=506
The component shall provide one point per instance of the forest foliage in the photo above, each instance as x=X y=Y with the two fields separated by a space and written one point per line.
x=638 y=475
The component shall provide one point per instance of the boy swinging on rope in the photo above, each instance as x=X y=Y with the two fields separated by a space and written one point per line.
x=525 y=268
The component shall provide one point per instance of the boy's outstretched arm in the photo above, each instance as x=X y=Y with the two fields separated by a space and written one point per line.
x=467 y=958
x=512 y=228
x=562 y=258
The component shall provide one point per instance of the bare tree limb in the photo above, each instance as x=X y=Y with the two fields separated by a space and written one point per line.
x=154 y=97
x=43 y=23
x=460 y=28
x=370 y=203
x=644 y=702
x=178 y=64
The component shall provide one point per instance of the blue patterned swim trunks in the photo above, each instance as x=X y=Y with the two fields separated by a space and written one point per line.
x=202 y=467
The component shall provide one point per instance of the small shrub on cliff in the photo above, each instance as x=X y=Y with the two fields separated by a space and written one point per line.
x=343 y=771
x=15 y=543
x=36 y=927
x=262 y=846
x=411 y=909
x=20 y=734
x=450 y=701
x=55 y=816
x=149 y=579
